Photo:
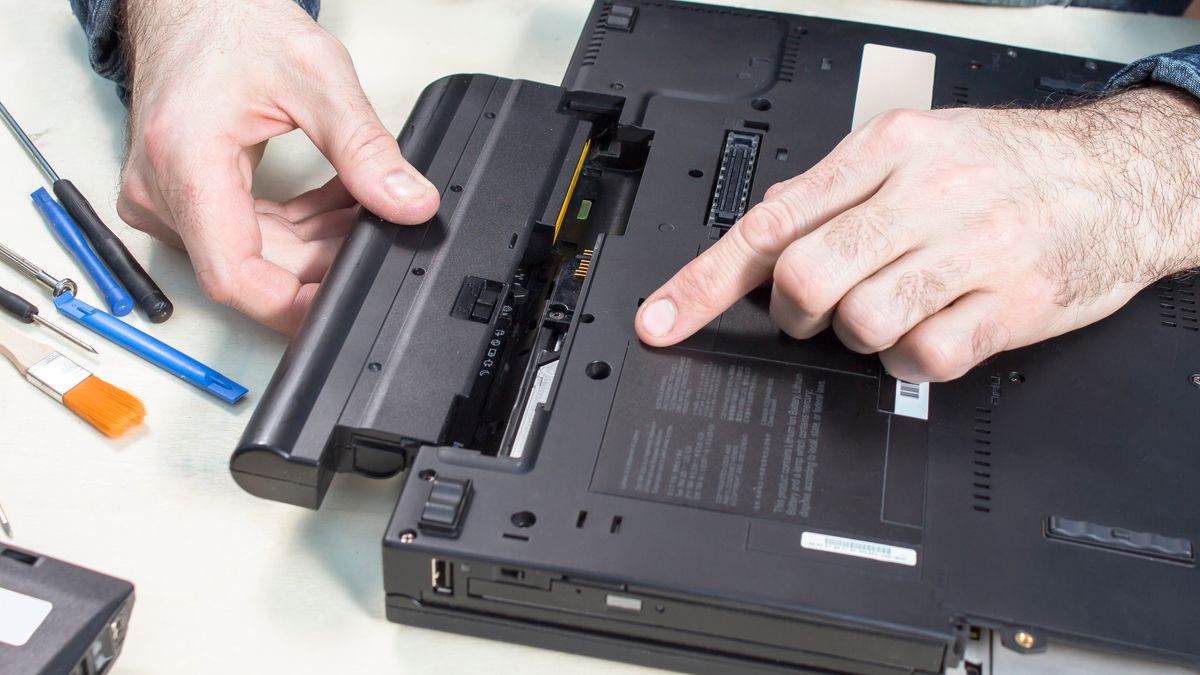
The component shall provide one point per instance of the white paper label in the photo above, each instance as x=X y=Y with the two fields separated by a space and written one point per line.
x=20 y=616
x=891 y=77
x=912 y=400
x=859 y=549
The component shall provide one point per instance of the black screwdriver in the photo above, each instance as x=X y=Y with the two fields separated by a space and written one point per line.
x=141 y=287
x=27 y=312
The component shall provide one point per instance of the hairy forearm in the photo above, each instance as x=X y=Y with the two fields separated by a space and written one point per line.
x=1135 y=175
x=1144 y=141
x=165 y=37
x=169 y=39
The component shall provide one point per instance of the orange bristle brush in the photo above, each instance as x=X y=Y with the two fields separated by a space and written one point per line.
x=111 y=410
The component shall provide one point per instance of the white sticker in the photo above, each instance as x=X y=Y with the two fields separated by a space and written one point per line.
x=859 y=549
x=20 y=616
x=891 y=77
x=912 y=400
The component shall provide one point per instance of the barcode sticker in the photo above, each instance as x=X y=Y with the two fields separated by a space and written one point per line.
x=912 y=400
x=828 y=543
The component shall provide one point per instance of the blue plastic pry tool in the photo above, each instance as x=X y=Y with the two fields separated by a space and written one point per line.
x=150 y=348
x=68 y=233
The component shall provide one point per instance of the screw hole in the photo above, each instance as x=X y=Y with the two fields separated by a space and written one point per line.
x=587 y=318
x=407 y=536
x=374 y=366
x=427 y=474
x=598 y=370
x=419 y=271
x=975 y=65
x=617 y=86
x=761 y=104
x=490 y=115
x=696 y=173
x=456 y=188
x=523 y=519
x=1016 y=378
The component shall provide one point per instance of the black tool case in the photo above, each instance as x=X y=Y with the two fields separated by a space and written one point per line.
x=743 y=501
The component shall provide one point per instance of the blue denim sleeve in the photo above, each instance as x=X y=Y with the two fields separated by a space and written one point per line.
x=99 y=21
x=1180 y=68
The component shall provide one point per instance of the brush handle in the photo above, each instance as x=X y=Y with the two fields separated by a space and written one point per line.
x=20 y=350
x=68 y=233
x=150 y=348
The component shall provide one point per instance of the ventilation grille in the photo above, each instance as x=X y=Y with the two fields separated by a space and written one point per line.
x=593 y=49
x=791 y=55
x=981 y=461
x=961 y=94
x=1177 y=303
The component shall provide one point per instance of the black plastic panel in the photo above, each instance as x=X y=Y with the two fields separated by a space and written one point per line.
x=894 y=534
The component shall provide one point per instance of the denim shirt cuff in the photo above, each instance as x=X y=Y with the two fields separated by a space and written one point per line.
x=99 y=21
x=1180 y=68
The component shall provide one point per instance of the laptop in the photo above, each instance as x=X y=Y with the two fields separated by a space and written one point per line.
x=744 y=501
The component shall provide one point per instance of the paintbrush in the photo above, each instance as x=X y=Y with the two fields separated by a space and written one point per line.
x=111 y=410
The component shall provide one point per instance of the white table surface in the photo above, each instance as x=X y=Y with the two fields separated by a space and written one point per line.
x=226 y=582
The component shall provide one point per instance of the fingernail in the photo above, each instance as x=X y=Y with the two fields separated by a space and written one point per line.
x=659 y=317
x=403 y=186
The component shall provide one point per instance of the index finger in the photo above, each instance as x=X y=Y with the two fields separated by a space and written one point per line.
x=744 y=258
x=215 y=217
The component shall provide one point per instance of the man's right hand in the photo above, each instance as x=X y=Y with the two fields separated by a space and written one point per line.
x=211 y=82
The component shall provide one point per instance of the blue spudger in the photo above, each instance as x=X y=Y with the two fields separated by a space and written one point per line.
x=68 y=233
x=149 y=348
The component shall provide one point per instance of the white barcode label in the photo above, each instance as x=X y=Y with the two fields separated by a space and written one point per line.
x=828 y=543
x=912 y=400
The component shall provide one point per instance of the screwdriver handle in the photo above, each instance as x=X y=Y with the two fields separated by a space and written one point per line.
x=17 y=306
x=68 y=233
x=145 y=292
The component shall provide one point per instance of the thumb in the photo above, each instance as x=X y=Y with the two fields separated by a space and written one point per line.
x=345 y=128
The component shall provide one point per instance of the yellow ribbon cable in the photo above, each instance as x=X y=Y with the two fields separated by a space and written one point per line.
x=562 y=213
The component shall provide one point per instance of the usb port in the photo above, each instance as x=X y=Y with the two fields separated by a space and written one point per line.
x=439 y=577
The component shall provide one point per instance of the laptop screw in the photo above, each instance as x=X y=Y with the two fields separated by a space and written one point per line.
x=1195 y=380
x=1025 y=640
x=407 y=537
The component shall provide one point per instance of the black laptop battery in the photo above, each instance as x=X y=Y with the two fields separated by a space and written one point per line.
x=743 y=501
